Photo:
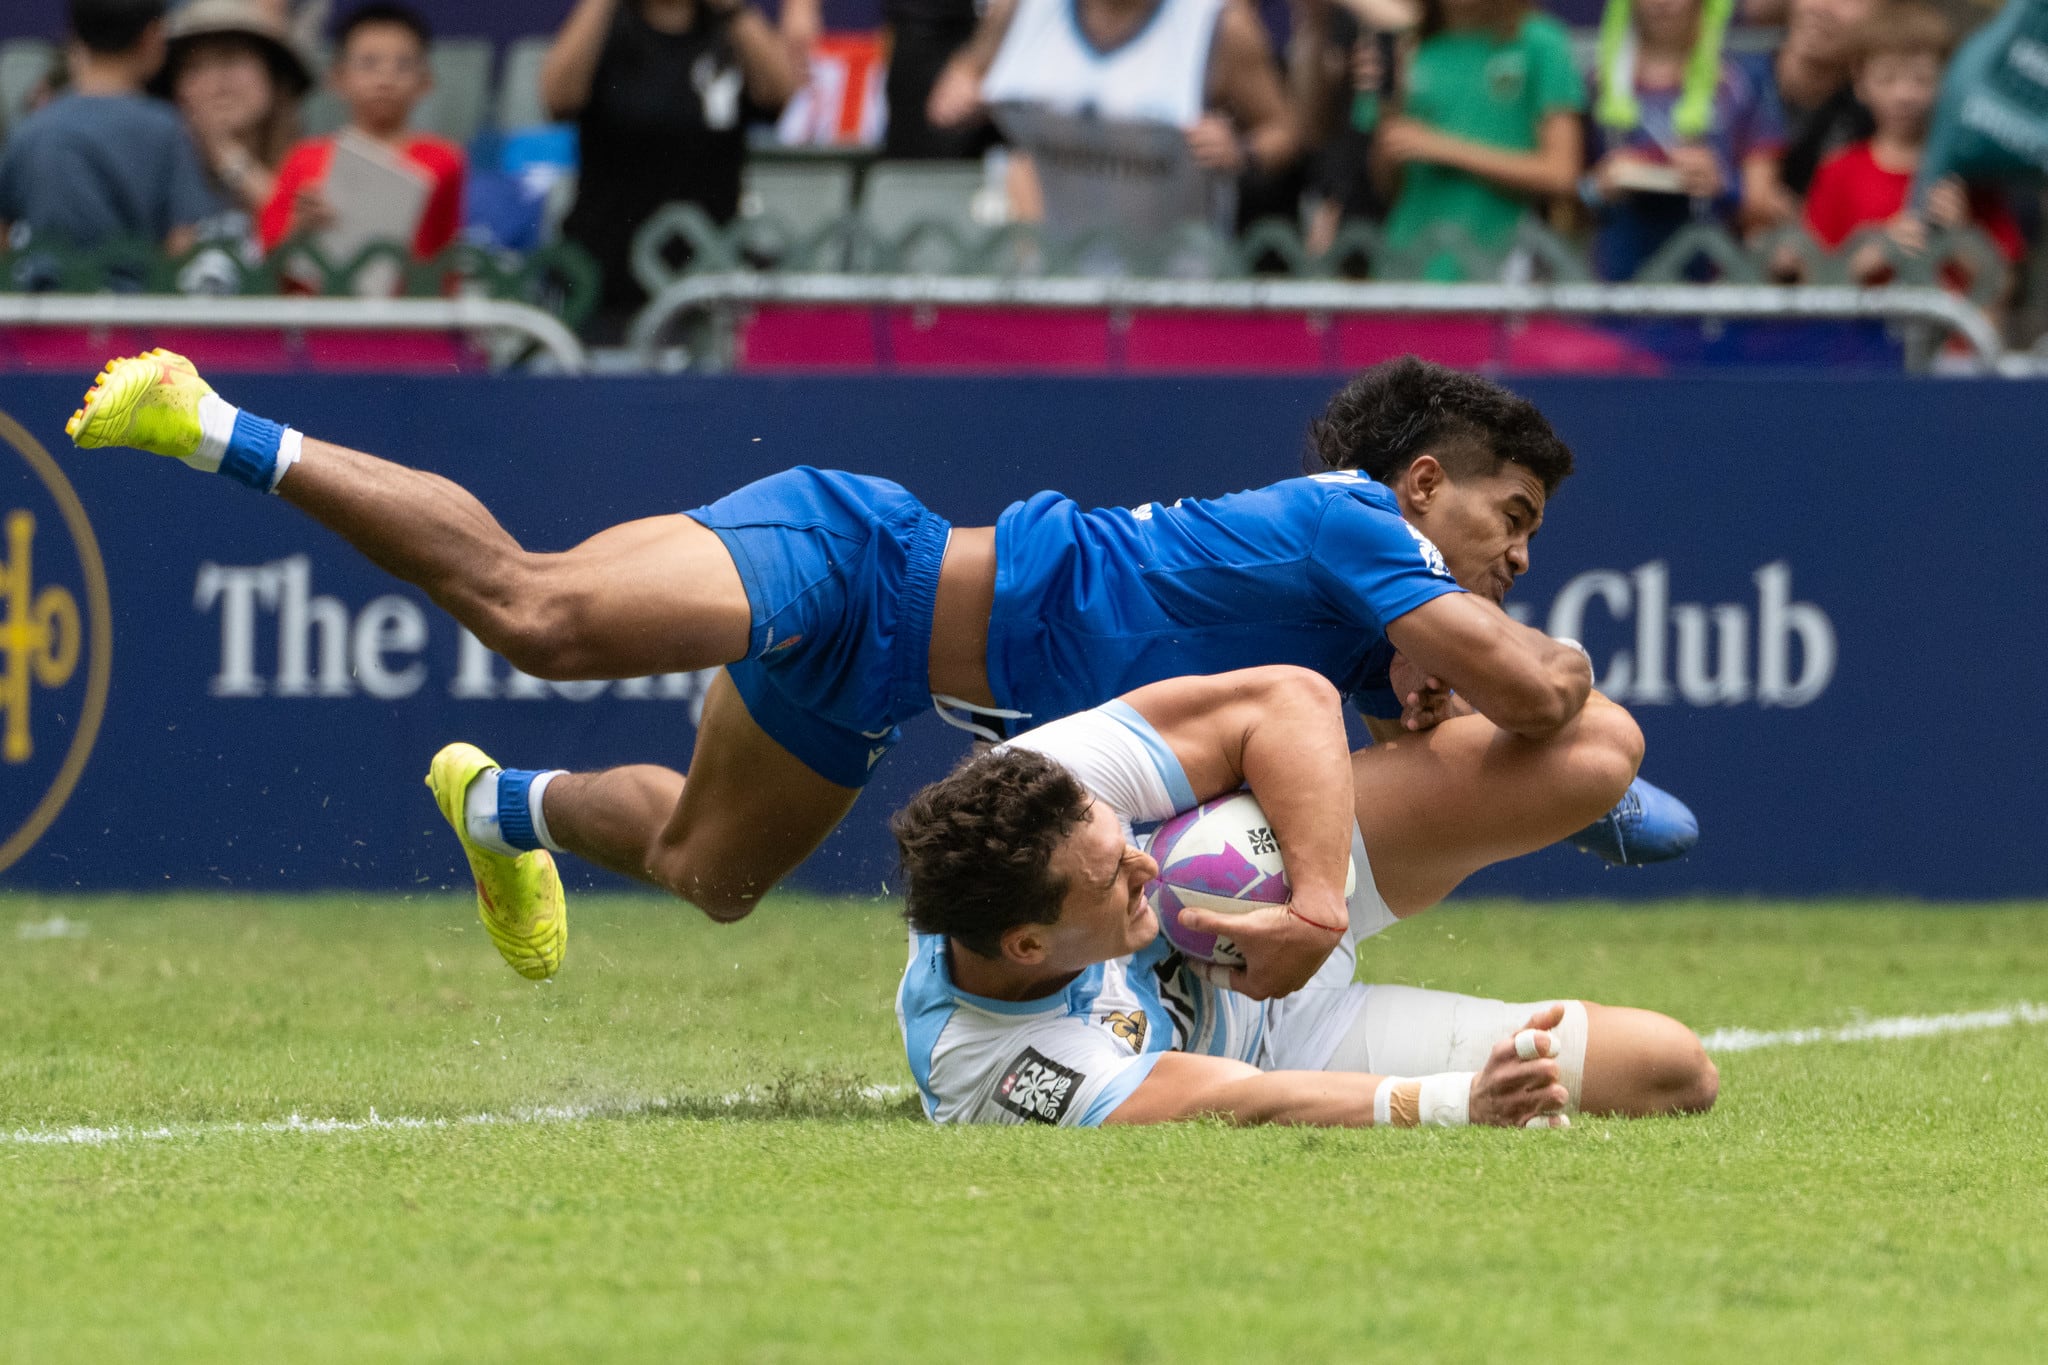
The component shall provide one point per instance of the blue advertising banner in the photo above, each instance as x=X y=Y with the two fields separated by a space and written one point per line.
x=1819 y=597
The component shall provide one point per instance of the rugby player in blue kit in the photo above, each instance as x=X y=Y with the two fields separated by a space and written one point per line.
x=839 y=607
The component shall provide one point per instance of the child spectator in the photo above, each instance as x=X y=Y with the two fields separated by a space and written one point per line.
x=1488 y=124
x=103 y=162
x=1681 y=135
x=1897 y=78
x=381 y=74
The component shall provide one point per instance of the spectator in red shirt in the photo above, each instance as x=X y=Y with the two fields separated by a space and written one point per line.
x=1897 y=78
x=381 y=73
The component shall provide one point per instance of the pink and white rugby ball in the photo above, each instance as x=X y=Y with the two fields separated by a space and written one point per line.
x=1220 y=856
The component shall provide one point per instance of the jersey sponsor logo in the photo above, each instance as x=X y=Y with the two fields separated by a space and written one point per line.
x=787 y=642
x=56 y=641
x=1129 y=1026
x=1038 y=1088
x=1431 y=556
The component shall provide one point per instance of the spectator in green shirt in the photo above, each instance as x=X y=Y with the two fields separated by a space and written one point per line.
x=1489 y=123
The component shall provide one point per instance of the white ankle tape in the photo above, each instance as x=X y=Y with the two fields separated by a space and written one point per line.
x=216 y=429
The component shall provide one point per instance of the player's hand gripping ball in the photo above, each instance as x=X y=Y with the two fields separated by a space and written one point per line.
x=1220 y=856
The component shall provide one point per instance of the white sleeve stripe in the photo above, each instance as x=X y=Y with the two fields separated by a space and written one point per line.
x=1163 y=759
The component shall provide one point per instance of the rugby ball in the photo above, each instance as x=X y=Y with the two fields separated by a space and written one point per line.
x=1220 y=856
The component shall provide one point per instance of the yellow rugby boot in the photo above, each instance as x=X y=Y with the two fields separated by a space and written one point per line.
x=519 y=899
x=148 y=401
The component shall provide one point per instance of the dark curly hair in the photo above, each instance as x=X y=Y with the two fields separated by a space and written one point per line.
x=977 y=845
x=1393 y=412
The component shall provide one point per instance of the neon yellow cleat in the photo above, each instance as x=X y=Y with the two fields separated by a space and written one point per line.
x=519 y=899
x=148 y=401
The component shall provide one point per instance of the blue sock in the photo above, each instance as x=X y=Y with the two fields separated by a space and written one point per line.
x=253 y=450
x=515 y=811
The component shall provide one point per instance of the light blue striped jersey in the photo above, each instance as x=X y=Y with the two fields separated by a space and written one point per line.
x=1074 y=1056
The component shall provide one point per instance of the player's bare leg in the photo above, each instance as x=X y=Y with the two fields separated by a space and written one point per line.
x=655 y=596
x=1435 y=807
x=659 y=595
x=1640 y=1062
x=746 y=814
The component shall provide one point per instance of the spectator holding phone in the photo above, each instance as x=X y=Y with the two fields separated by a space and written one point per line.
x=1488 y=124
x=1681 y=136
x=381 y=74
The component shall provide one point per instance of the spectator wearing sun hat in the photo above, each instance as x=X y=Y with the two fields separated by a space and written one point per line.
x=237 y=77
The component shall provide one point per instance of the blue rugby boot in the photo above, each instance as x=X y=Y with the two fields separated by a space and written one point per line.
x=1649 y=826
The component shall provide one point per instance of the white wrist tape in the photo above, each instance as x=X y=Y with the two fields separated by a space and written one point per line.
x=1440 y=1101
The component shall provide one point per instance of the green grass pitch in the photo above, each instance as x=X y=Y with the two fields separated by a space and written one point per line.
x=725 y=1166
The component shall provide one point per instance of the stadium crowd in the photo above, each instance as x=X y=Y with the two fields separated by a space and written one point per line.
x=1443 y=124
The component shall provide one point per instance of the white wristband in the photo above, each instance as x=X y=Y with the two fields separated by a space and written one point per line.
x=1440 y=1101
x=1446 y=1099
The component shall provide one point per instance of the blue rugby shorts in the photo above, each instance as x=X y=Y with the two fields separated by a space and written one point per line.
x=842 y=573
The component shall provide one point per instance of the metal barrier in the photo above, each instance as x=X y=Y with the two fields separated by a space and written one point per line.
x=536 y=325
x=722 y=294
x=1269 y=269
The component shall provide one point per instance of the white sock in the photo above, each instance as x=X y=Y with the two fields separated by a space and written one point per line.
x=216 y=428
x=290 y=448
x=480 y=813
x=534 y=792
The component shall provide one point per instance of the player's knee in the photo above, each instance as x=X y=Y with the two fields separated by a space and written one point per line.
x=1681 y=1079
x=723 y=898
x=1607 y=752
x=538 y=632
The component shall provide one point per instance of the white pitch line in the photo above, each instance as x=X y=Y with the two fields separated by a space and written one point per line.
x=83 y=1135
x=1720 y=1040
x=1877 y=1030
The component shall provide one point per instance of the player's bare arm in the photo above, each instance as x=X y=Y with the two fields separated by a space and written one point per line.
x=1517 y=677
x=1244 y=83
x=1519 y=1086
x=1279 y=731
x=956 y=95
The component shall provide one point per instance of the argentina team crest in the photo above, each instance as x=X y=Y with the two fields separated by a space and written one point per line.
x=56 y=640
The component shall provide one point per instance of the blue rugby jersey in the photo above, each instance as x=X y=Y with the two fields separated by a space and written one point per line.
x=1308 y=571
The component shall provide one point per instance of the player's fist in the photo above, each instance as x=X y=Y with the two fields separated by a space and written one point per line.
x=1283 y=946
x=1521 y=1086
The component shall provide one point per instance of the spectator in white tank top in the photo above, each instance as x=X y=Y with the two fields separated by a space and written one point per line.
x=1132 y=115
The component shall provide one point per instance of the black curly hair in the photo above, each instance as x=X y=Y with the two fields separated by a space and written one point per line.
x=976 y=847
x=1393 y=412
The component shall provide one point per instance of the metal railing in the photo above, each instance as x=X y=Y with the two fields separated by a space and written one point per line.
x=721 y=295
x=1268 y=269
x=536 y=325
x=692 y=268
